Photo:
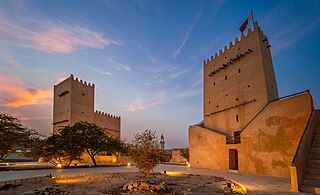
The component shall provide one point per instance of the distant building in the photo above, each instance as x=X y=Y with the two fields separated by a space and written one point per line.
x=174 y=155
x=73 y=101
x=162 y=142
x=247 y=128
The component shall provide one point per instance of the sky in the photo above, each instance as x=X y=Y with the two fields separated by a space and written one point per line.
x=145 y=57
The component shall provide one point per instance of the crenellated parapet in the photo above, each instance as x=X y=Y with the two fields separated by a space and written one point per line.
x=104 y=114
x=223 y=54
x=85 y=83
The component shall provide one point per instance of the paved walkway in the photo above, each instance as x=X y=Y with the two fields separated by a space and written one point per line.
x=255 y=184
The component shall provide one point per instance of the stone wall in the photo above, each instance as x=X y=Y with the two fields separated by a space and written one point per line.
x=176 y=156
x=109 y=122
x=268 y=143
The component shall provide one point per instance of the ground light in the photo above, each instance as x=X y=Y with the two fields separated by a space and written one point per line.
x=59 y=165
x=129 y=164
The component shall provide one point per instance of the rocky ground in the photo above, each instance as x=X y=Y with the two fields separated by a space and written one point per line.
x=125 y=183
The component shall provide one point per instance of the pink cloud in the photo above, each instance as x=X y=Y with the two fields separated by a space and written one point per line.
x=140 y=104
x=54 y=38
x=15 y=92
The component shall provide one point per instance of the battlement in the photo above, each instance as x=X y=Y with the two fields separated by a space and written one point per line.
x=103 y=114
x=78 y=80
x=85 y=83
x=222 y=54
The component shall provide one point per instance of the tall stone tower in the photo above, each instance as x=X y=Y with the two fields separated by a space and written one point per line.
x=238 y=82
x=74 y=101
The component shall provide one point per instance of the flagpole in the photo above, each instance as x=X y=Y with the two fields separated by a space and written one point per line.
x=252 y=17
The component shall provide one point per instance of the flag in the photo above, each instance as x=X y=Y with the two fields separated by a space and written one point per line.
x=244 y=25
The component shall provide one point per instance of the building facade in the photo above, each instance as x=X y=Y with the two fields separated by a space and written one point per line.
x=73 y=101
x=247 y=128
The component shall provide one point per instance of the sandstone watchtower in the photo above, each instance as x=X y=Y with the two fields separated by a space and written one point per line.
x=74 y=101
x=238 y=82
x=247 y=128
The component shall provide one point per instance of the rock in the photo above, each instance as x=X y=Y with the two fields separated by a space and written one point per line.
x=158 y=188
x=135 y=184
x=152 y=187
x=145 y=186
x=130 y=188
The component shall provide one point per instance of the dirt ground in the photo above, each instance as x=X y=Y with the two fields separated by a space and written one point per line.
x=112 y=183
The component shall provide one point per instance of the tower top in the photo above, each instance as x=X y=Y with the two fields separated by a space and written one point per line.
x=221 y=54
x=162 y=142
x=78 y=80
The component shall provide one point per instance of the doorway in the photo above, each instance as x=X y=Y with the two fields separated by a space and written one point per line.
x=233 y=159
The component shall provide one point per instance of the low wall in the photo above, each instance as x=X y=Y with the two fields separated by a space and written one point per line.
x=44 y=179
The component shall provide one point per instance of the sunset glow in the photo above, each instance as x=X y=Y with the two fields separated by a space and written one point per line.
x=144 y=57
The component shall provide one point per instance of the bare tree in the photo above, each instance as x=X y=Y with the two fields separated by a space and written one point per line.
x=145 y=151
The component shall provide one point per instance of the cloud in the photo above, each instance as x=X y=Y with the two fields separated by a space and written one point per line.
x=98 y=70
x=159 y=74
x=198 y=79
x=7 y=58
x=287 y=31
x=142 y=104
x=186 y=36
x=15 y=92
x=139 y=104
x=189 y=93
x=151 y=57
x=292 y=33
x=52 y=37
x=118 y=66
x=179 y=73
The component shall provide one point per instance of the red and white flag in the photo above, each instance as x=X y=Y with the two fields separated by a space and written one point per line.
x=244 y=25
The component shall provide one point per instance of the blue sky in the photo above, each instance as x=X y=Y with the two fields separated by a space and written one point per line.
x=144 y=56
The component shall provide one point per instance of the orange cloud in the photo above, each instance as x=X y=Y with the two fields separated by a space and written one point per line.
x=15 y=92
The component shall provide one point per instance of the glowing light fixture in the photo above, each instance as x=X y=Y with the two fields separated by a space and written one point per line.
x=129 y=164
x=173 y=173
x=7 y=164
x=59 y=165
x=188 y=164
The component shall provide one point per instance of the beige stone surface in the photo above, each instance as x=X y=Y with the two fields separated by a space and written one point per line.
x=74 y=101
x=238 y=82
x=176 y=156
x=241 y=97
x=268 y=143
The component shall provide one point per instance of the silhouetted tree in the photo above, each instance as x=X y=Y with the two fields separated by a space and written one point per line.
x=13 y=135
x=94 y=139
x=34 y=146
x=145 y=151
x=59 y=150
